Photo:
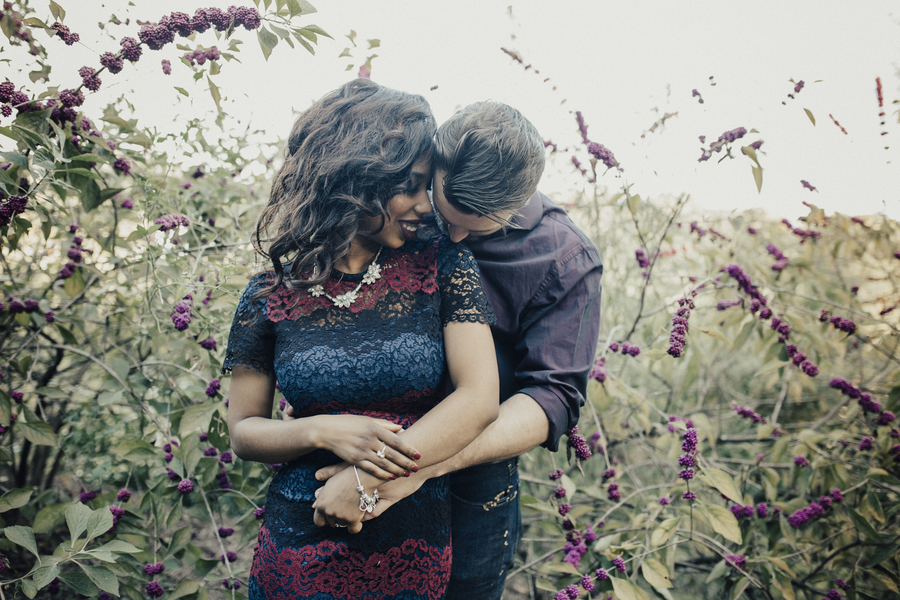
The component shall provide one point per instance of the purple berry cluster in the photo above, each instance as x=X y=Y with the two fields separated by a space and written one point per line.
x=848 y=389
x=801 y=360
x=688 y=459
x=641 y=256
x=14 y=205
x=737 y=560
x=680 y=327
x=598 y=369
x=726 y=138
x=200 y=56
x=801 y=461
x=578 y=444
x=603 y=154
x=807 y=185
x=181 y=318
x=582 y=127
x=123 y=496
x=845 y=325
x=781 y=261
x=213 y=388
x=168 y=222
x=815 y=510
x=185 y=486
x=209 y=344
x=613 y=493
x=63 y=32
x=749 y=414
x=758 y=301
x=726 y=304
x=575 y=548
x=154 y=589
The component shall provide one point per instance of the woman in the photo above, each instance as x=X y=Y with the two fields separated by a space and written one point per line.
x=361 y=328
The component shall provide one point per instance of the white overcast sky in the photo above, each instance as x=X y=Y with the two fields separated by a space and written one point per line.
x=623 y=64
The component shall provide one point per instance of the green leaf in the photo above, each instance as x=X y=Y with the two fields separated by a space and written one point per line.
x=625 y=590
x=119 y=546
x=102 y=577
x=14 y=499
x=863 y=525
x=135 y=450
x=317 y=30
x=77 y=516
x=881 y=553
x=175 y=514
x=656 y=573
x=57 y=11
x=16 y=159
x=44 y=575
x=723 y=482
x=181 y=539
x=79 y=582
x=563 y=568
x=299 y=37
x=186 y=587
x=28 y=588
x=267 y=41
x=39 y=434
x=182 y=91
x=723 y=522
x=23 y=536
x=49 y=518
x=783 y=585
x=757 y=177
x=634 y=202
x=739 y=588
x=717 y=572
x=873 y=507
x=214 y=92
x=654 y=353
x=100 y=521
x=198 y=417
x=74 y=284
x=810 y=115
x=664 y=532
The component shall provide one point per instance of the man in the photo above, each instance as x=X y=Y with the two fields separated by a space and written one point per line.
x=542 y=277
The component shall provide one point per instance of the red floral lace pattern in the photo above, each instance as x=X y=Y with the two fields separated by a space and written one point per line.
x=332 y=568
x=401 y=271
x=405 y=410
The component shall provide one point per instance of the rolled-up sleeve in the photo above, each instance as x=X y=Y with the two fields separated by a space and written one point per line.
x=558 y=339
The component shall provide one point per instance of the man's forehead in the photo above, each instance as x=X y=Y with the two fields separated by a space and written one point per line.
x=476 y=224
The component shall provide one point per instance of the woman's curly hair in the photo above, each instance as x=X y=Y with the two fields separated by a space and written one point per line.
x=347 y=156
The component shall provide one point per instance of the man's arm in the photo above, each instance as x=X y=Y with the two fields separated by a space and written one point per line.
x=520 y=426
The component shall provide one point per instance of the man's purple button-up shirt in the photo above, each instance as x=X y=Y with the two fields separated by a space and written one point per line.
x=543 y=281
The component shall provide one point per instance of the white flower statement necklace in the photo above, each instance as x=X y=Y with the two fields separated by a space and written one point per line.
x=372 y=274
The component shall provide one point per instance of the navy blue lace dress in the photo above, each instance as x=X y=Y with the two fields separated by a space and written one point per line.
x=383 y=357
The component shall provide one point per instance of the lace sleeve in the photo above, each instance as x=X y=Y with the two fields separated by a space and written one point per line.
x=251 y=342
x=462 y=297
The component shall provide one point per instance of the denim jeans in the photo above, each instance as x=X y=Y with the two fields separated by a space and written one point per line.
x=487 y=526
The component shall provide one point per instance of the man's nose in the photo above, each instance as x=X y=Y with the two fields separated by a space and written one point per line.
x=457 y=233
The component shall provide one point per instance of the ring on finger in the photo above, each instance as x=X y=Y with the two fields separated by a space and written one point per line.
x=340 y=524
x=380 y=453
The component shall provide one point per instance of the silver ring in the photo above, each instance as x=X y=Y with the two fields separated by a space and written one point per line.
x=339 y=525
x=380 y=453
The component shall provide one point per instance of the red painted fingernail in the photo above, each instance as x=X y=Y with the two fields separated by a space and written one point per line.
x=414 y=469
x=406 y=473
x=393 y=477
x=417 y=456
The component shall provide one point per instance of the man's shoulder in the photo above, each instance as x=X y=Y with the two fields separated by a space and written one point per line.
x=556 y=227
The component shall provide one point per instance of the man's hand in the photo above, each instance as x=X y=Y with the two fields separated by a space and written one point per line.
x=337 y=502
x=393 y=492
x=389 y=493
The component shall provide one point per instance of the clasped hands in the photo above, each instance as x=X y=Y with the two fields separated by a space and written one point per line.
x=383 y=459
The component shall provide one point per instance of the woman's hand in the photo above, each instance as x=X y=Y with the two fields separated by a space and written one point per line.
x=337 y=502
x=371 y=444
